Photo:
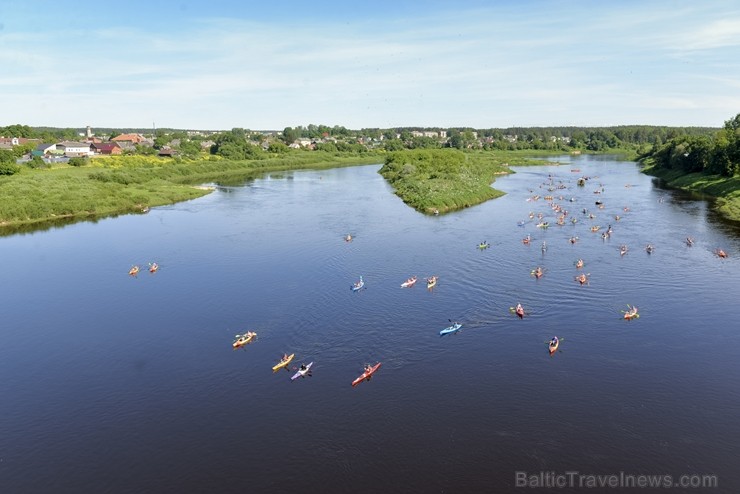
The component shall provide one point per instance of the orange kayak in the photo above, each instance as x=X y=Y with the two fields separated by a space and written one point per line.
x=134 y=271
x=553 y=345
x=366 y=375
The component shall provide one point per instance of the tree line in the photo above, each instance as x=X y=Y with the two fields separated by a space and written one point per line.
x=716 y=154
x=239 y=143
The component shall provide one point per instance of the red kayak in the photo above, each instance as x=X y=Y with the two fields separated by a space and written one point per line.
x=369 y=371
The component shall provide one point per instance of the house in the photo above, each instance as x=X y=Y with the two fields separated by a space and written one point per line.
x=44 y=150
x=130 y=139
x=167 y=152
x=106 y=148
x=73 y=149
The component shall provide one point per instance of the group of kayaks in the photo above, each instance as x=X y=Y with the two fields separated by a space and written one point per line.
x=303 y=370
x=153 y=267
x=431 y=282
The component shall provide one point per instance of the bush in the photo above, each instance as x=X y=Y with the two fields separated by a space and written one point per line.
x=37 y=162
x=77 y=161
x=9 y=168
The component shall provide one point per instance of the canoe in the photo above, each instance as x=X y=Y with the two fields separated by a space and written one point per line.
x=302 y=373
x=366 y=375
x=452 y=329
x=554 y=348
x=431 y=281
x=283 y=363
x=409 y=282
x=244 y=339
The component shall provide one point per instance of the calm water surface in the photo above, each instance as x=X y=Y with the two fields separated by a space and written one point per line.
x=115 y=384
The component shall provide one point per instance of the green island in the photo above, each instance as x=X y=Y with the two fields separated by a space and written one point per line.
x=432 y=170
x=442 y=180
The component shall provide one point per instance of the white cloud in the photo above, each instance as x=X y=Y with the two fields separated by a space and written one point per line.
x=483 y=68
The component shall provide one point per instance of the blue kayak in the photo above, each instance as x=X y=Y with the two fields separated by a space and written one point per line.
x=452 y=329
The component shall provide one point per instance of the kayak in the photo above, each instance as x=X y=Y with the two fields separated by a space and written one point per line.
x=519 y=311
x=431 y=282
x=631 y=315
x=452 y=329
x=554 y=347
x=134 y=271
x=358 y=286
x=366 y=375
x=244 y=339
x=302 y=372
x=484 y=245
x=153 y=267
x=283 y=363
x=410 y=282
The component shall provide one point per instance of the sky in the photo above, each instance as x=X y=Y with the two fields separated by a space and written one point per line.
x=221 y=64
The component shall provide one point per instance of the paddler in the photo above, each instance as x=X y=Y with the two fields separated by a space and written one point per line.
x=519 y=311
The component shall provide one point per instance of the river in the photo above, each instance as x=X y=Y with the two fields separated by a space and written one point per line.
x=118 y=384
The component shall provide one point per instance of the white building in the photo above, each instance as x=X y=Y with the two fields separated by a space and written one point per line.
x=74 y=149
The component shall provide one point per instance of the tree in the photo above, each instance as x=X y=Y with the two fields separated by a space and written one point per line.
x=289 y=135
x=189 y=149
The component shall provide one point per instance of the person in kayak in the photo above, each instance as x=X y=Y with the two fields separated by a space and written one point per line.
x=519 y=311
x=303 y=367
x=554 y=341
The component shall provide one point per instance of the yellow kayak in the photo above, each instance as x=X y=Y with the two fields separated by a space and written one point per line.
x=283 y=363
x=243 y=339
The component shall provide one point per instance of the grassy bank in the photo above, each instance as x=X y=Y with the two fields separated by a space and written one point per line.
x=446 y=179
x=725 y=189
x=131 y=184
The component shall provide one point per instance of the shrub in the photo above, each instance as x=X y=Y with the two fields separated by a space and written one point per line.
x=77 y=161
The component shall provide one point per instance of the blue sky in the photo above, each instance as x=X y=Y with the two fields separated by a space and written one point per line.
x=222 y=64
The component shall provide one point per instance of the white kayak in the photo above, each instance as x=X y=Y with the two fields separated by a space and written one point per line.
x=302 y=372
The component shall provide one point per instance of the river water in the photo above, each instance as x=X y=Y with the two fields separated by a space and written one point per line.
x=113 y=383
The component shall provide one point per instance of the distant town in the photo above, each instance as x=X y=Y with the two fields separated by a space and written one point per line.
x=46 y=146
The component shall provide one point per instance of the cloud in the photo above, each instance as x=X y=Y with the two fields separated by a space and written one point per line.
x=486 y=67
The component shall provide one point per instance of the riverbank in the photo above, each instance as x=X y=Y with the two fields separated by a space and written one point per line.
x=121 y=185
x=726 y=190
x=443 y=180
